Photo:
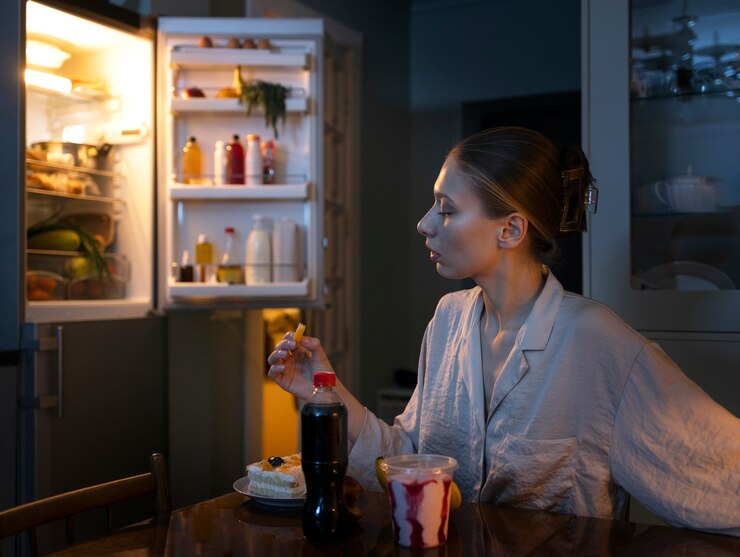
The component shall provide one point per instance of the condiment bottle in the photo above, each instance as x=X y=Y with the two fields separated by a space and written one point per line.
x=268 y=161
x=254 y=160
x=230 y=270
x=203 y=256
x=192 y=162
x=258 y=253
x=219 y=164
x=234 y=161
x=324 y=460
x=186 y=269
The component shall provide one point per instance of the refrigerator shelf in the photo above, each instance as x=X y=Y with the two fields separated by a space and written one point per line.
x=86 y=310
x=180 y=106
x=204 y=58
x=272 y=191
x=223 y=290
x=81 y=197
x=43 y=165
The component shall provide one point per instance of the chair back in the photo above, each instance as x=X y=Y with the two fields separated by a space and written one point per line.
x=66 y=505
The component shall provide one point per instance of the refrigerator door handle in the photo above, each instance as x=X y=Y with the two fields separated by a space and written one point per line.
x=60 y=370
x=48 y=344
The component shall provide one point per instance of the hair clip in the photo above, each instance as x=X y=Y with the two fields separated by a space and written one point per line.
x=579 y=196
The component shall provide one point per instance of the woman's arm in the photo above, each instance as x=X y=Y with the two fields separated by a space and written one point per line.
x=675 y=449
x=293 y=366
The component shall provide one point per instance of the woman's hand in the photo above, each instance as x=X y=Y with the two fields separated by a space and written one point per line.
x=292 y=366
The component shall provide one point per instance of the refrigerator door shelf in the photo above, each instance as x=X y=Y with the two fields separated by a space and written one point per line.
x=86 y=310
x=205 y=58
x=232 y=291
x=180 y=106
x=266 y=192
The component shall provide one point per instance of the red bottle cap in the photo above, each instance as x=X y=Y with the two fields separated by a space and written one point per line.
x=324 y=379
x=229 y=230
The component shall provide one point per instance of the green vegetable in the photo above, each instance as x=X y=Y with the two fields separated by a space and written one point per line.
x=68 y=237
x=270 y=96
x=55 y=239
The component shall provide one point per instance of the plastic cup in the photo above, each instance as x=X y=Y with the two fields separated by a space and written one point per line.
x=419 y=491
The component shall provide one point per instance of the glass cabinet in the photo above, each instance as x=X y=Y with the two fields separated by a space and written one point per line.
x=684 y=137
x=661 y=113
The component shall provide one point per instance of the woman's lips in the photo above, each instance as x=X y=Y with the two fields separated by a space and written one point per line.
x=434 y=256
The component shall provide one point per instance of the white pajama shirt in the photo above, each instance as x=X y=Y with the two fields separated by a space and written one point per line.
x=584 y=409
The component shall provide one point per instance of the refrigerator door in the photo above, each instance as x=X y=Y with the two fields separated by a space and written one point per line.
x=204 y=63
x=88 y=177
x=92 y=408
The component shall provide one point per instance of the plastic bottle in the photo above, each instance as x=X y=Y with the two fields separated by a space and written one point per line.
x=268 y=161
x=203 y=257
x=259 y=253
x=230 y=270
x=324 y=461
x=234 y=161
x=192 y=162
x=254 y=160
x=219 y=164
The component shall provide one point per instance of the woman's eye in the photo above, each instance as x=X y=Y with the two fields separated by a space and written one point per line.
x=444 y=213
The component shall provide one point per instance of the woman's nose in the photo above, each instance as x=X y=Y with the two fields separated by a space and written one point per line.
x=423 y=227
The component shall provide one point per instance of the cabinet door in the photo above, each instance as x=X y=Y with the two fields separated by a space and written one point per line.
x=113 y=390
x=661 y=120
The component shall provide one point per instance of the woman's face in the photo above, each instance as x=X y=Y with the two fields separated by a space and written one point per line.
x=461 y=238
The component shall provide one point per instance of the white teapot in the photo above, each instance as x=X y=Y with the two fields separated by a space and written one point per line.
x=689 y=193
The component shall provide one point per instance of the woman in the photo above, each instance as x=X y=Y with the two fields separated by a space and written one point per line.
x=546 y=399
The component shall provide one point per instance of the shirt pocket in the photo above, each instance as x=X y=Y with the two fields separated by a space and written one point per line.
x=532 y=473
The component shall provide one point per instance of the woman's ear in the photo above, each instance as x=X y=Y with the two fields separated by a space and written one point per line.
x=513 y=230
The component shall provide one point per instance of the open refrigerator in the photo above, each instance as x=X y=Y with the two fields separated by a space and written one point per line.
x=91 y=152
x=103 y=117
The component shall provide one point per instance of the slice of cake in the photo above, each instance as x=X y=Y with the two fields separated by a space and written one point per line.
x=277 y=477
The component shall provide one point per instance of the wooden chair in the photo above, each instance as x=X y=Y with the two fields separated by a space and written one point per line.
x=65 y=505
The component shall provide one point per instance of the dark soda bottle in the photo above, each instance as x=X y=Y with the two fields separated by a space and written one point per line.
x=324 y=461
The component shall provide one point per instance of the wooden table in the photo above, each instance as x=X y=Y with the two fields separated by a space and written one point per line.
x=234 y=525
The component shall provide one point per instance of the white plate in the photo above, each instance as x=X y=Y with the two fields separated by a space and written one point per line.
x=687 y=275
x=242 y=486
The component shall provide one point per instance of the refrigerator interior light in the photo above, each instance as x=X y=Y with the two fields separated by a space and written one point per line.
x=48 y=81
x=45 y=55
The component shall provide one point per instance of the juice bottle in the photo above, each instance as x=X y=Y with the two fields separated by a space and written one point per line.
x=203 y=256
x=192 y=162
x=324 y=461
x=234 y=161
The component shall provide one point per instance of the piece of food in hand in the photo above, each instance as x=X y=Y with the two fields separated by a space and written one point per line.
x=233 y=42
x=277 y=477
x=382 y=475
x=352 y=492
x=192 y=92
x=205 y=42
x=298 y=335
x=227 y=93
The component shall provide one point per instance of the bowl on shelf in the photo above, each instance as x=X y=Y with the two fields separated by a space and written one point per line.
x=43 y=286
x=92 y=287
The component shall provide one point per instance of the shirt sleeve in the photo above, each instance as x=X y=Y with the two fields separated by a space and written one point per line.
x=675 y=449
x=377 y=438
